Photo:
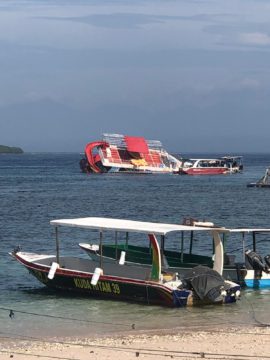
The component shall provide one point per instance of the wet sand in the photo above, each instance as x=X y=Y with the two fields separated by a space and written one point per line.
x=229 y=343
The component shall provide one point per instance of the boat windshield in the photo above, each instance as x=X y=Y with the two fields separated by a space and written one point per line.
x=211 y=163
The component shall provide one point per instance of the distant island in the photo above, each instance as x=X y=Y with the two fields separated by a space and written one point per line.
x=10 y=150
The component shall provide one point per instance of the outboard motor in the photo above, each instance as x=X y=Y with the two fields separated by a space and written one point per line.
x=254 y=261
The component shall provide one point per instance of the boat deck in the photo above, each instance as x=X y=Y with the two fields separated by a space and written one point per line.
x=120 y=156
x=88 y=266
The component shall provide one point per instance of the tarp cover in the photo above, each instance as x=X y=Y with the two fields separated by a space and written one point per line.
x=136 y=144
x=205 y=282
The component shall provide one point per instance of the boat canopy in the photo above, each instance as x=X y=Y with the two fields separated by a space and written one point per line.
x=249 y=230
x=101 y=224
x=232 y=157
x=136 y=144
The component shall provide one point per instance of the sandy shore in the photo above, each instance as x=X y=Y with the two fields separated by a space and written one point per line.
x=232 y=343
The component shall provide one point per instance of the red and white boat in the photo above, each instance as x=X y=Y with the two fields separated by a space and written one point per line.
x=129 y=154
x=219 y=166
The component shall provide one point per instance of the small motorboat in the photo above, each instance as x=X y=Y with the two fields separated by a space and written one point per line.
x=218 y=166
x=264 y=182
x=132 y=282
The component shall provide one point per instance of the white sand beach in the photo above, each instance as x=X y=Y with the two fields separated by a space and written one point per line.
x=230 y=343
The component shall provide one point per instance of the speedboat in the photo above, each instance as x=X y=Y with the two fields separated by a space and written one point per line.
x=131 y=282
x=218 y=166
x=117 y=153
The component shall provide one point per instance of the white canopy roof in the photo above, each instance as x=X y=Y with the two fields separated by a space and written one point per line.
x=100 y=223
x=249 y=230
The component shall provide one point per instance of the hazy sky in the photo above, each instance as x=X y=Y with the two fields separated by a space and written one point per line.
x=193 y=74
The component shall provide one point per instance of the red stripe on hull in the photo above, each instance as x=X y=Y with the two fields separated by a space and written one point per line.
x=206 y=171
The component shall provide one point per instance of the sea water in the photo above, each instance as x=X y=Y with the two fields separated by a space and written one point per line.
x=36 y=188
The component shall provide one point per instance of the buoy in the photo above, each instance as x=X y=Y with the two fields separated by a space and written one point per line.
x=53 y=269
x=122 y=258
x=96 y=276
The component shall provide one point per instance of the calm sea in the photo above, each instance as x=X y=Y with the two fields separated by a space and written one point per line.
x=36 y=188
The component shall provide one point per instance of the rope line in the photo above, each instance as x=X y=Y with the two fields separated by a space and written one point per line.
x=37 y=355
x=12 y=314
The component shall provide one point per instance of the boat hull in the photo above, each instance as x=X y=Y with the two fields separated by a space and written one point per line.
x=205 y=171
x=114 y=287
x=257 y=279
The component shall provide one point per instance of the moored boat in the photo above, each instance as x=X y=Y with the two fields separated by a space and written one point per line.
x=218 y=166
x=120 y=281
x=257 y=268
x=243 y=265
x=117 y=153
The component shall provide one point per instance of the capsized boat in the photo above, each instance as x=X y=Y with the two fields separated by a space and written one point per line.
x=127 y=154
x=264 y=182
x=120 y=281
x=218 y=166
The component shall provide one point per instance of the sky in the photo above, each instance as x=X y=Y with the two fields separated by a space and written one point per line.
x=194 y=74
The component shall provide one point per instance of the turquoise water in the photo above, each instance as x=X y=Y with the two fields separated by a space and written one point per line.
x=36 y=188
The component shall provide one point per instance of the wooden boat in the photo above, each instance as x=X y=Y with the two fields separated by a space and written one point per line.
x=117 y=153
x=249 y=271
x=142 y=255
x=127 y=282
x=218 y=166
x=264 y=182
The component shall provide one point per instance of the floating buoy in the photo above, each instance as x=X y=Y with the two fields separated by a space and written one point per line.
x=96 y=276
x=122 y=258
x=53 y=269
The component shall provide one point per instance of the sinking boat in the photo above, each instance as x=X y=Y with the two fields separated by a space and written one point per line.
x=264 y=182
x=129 y=282
x=218 y=166
x=117 y=153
